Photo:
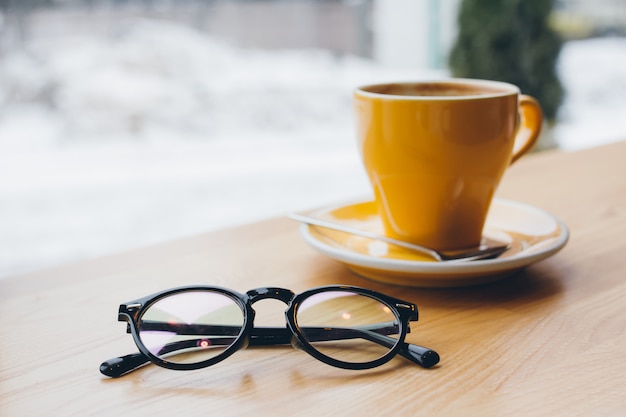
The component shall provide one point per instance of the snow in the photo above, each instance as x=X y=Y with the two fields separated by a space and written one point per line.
x=593 y=72
x=158 y=132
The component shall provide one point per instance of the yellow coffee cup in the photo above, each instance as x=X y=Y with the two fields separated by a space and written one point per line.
x=435 y=152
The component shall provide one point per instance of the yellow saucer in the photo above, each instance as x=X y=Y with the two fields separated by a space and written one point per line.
x=533 y=234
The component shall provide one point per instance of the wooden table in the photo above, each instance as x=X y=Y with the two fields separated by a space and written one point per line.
x=549 y=341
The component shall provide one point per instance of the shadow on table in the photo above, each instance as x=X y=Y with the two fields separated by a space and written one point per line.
x=533 y=285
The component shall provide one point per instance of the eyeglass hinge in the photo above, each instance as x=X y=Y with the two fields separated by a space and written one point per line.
x=411 y=309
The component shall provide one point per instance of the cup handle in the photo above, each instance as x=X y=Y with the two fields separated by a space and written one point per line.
x=531 y=120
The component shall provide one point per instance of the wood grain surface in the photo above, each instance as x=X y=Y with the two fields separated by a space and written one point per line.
x=549 y=341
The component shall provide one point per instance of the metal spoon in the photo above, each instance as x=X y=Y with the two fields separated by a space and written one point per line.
x=482 y=252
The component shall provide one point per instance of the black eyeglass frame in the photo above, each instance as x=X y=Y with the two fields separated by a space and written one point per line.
x=249 y=335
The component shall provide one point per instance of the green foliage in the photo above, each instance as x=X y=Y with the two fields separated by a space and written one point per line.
x=510 y=40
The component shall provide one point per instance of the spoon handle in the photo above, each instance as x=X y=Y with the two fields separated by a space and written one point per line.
x=364 y=233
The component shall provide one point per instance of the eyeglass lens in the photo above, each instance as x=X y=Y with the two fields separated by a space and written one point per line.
x=347 y=326
x=191 y=327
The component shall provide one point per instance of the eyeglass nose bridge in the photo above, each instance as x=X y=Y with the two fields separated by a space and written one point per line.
x=274 y=293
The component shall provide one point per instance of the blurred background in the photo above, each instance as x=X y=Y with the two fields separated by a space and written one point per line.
x=125 y=123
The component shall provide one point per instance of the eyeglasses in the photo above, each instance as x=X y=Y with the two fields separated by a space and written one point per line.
x=194 y=327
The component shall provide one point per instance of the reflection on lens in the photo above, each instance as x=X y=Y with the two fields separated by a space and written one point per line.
x=347 y=326
x=191 y=327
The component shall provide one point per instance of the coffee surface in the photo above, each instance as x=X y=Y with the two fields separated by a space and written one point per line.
x=435 y=89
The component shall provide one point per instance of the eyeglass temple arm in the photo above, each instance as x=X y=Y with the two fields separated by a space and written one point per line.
x=267 y=336
x=122 y=365
x=264 y=336
x=421 y=355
